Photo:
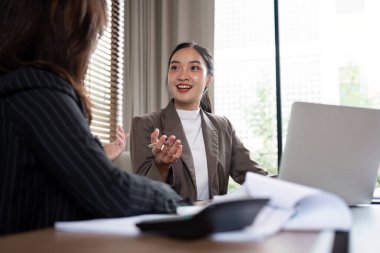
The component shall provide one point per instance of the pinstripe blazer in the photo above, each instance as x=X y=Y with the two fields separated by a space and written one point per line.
x=52 y=168
x=226 y=154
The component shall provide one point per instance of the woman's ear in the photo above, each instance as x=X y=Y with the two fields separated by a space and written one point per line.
x=209 y=81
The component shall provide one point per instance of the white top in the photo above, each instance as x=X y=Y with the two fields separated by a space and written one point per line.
x=191 y=122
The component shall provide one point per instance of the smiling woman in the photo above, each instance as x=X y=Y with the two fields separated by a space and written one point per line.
x=188 y=78
x=198 y=150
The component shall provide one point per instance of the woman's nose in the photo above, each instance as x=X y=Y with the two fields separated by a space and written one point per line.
x=183 y=75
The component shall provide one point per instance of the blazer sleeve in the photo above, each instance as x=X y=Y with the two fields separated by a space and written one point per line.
x=241 y=162
x=141 y=155
x=61 y=139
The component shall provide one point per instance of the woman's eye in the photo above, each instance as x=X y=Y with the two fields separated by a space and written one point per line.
x=173 y=68
x=195 y=68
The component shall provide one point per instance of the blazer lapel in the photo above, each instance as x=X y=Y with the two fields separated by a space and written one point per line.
x=172 y=126
x=210 y=136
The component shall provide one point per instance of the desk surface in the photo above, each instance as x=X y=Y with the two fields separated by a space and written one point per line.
x=365 y=233
x=363 y=238
x=49 y=240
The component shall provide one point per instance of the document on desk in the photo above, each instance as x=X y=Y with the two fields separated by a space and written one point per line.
x=291 y=207
x=112 y=226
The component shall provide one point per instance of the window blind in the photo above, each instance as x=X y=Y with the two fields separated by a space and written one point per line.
x=104 y=80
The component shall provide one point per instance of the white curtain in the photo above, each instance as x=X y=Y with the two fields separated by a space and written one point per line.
x=152 y=29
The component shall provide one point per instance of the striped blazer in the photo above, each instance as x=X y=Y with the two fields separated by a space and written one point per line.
x=51 y=166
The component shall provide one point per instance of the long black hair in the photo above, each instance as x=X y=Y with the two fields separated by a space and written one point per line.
x=209 y=60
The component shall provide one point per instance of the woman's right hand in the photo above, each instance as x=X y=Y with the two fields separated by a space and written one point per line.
x=166 y=151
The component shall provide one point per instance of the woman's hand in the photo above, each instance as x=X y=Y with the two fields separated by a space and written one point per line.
x=114 y=149
x=166 y=151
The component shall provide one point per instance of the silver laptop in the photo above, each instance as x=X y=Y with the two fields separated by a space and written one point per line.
x=335 y=148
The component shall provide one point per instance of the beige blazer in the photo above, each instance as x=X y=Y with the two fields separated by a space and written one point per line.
x=226 y=154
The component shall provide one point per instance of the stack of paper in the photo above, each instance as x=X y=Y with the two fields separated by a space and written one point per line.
x=291 y=207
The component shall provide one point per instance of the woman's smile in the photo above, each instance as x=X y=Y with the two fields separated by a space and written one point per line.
x=183 y=88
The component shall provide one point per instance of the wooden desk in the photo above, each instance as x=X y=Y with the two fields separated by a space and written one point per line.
x=49 y=240
x=363 y=238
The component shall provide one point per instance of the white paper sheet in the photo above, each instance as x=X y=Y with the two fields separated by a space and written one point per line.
x=291 y=207
x=115 y=226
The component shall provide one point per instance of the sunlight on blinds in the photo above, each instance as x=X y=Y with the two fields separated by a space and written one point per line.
x=104 y=80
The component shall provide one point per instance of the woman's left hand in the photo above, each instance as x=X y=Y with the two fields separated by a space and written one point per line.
x=114 y=149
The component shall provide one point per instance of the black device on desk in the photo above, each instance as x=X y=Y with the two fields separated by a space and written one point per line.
x=218 y=217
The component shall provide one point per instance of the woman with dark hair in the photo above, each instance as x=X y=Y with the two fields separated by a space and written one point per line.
x=198 y=150
x=51 y=166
